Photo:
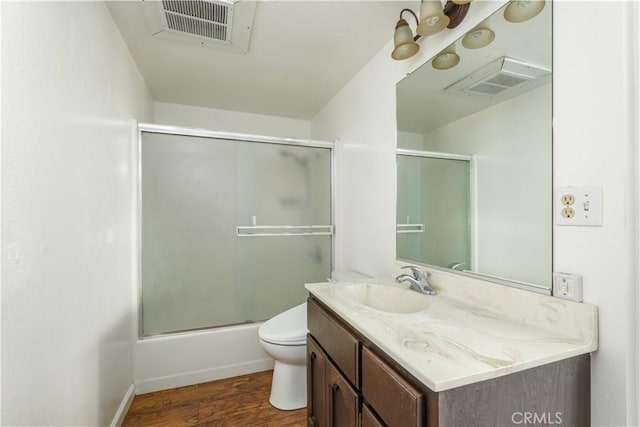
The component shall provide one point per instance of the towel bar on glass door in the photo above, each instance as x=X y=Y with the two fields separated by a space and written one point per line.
x=285 y=230
x=409 y=228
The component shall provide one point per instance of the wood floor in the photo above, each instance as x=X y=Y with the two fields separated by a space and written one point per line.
x=234 y=402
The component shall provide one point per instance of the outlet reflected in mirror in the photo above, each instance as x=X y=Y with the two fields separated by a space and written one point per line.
x=491 y=113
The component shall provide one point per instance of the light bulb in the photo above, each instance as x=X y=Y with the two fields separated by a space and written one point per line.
x=404 y=45
x=478 y=37
x=432 y=18
x=523 y=10
x=446 y=59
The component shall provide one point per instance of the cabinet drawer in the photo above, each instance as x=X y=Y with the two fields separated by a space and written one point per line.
x=396 y=401
x=369 y=418
x=341 y=346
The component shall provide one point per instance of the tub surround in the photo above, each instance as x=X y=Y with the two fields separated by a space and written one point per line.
x=471 y=331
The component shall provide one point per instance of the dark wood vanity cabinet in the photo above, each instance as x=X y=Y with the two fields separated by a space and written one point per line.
x=331 y=399
x=348 y=385
x=353 y=383
x=332 y=372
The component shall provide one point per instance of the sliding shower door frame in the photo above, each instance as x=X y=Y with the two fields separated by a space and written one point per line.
x=215 y=135
x=473 y=193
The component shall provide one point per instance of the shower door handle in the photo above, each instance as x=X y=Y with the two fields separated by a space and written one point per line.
x=409 y=228
x=283 y=230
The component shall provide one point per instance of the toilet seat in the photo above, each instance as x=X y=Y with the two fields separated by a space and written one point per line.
x=287 y=328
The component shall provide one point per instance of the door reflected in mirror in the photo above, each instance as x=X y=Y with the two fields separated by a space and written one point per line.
x=474 y=158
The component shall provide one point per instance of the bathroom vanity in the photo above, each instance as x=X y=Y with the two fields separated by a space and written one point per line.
x=378 y=354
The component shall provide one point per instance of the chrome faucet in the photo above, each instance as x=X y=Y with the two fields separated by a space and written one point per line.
x=418 y=280
x=458 y=265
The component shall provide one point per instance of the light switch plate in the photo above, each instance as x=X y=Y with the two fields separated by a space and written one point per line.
x=579 y=205
x=567 y=286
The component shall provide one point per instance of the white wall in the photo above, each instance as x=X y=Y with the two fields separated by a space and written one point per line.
x=513 y=158
x=69 y=92
x=229 y=121
x=635 y=305
x=366 y=173
x=410 y=140
x=593 y=144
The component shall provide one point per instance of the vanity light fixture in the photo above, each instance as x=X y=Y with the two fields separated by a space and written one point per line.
x=433 y=19
x=523 y=10
x=446 y=59
x=404 y=43
x=480 y=36
x=456 y=12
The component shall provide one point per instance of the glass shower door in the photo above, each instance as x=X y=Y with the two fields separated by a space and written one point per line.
x=283 y=191
x=210 y=255
x=433 y=210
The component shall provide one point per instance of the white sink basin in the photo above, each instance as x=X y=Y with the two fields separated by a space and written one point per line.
x=391 y=299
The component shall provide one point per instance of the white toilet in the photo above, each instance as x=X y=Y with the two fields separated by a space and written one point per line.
x=284 y=338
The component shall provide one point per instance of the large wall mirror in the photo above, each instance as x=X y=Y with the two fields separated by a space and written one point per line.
x=475 y=157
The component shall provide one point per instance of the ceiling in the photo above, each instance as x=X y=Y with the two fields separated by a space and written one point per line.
x=301 y=53
x=422 y=103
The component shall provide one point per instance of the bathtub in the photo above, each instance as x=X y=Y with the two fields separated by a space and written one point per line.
x=188 y=358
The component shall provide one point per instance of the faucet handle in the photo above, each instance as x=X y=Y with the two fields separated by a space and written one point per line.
x=418 y=273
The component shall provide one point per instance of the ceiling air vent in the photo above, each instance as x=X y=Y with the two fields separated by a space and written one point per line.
x=199 y=18
x=505 y=74
x=205 y=22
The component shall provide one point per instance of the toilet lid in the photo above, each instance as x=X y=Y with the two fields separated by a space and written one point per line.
x=288 y=328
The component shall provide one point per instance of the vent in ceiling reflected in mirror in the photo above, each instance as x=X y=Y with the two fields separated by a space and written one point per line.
x=204 y=22
x=500 y=76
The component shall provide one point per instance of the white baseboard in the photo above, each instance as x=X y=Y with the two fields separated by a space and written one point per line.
x=203 y=376
x=118 y=418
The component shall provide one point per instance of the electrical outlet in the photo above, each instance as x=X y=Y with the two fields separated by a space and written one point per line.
x=581 y=205
x=567 y=286
x=568 y=199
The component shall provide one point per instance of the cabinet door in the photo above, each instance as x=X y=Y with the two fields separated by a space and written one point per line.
x=394 y=399
x=316 y=385
x=369 y=418
x=342 y=400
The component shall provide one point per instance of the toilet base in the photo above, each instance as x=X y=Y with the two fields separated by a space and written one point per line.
x=289 y=386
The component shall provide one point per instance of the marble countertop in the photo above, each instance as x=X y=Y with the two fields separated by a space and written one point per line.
x=470 y=332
